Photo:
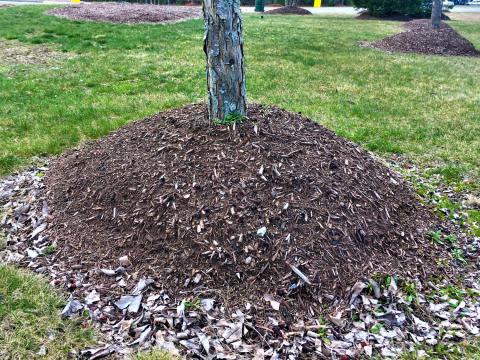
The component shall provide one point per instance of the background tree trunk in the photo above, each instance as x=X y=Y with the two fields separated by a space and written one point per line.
x=223 y=47
x=436 y=13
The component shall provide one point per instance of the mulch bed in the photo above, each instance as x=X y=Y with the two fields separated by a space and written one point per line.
x=365 y=15
x=239 y=211
x=421 y=38
x=288 y=10
x=127 y=13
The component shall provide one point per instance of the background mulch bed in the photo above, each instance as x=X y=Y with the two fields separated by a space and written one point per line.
x=288 y=10
x=421 y=38
x=365 y=15
x=127 y=13
x=228 y=210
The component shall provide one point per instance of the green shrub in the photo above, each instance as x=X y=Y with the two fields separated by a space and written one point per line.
x=383 y=8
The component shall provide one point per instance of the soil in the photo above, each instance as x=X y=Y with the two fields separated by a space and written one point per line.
x=288 y=10
x=14 y=52
x=127 y=13
x=228 y=210
x=421 y=38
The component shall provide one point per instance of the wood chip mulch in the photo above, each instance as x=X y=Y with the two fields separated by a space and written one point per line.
x=275 y=205
x=365 y=15
x=421 y=38
x=288 y=10
x=127 y=13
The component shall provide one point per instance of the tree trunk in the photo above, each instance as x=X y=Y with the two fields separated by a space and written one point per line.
x=223 y=46
x=436 y=13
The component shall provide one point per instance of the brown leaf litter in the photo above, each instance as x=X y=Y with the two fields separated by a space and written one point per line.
x=127 y=13
x=421 y=38
x=274 y=205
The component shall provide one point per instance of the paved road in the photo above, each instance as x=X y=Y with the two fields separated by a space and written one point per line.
x=34 y=2
x=466 y=9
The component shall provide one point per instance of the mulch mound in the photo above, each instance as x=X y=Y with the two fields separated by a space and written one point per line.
x=365 y=15
x=288 y=10
x=240 y=211
x=127 y=13
x=421 y=38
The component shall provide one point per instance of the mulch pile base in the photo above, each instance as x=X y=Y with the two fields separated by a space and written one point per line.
x=127 y=13
x=421 y=38
x=288 y=10
x=239 y=211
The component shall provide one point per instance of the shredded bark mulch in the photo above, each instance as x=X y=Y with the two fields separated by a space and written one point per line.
x=239 y=211
x=127 y=13
x=421 y=38
x=288 y=10
x=365 y=15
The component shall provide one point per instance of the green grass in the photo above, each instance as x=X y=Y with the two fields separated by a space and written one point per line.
x=155 y=355
x=461 y=351
x=422 y=106
x=30 y=319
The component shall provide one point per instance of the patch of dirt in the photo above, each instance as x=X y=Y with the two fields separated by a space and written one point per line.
x=5 y=5
x=14 y=52
x=127 y=13
x=288 y=10
x=215 y=209
x=421 y=38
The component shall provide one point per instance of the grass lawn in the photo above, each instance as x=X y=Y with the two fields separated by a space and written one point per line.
x=422 y=106
x=30 y=320
x=95 y=77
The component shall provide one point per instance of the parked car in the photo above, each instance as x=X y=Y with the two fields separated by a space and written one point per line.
x=474 y=2
x=448 y=5
x=461 y=2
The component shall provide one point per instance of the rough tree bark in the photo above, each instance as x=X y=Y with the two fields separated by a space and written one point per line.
x=436 y=13
x=223 y=46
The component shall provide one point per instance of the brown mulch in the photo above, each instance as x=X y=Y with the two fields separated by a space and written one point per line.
x=288 y=10
x=127 y=13
x=421 y=38
x=188 y=203
x=365 y=15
